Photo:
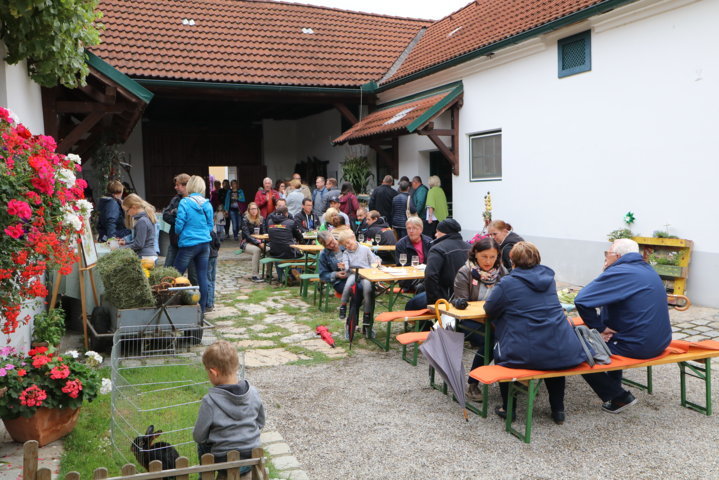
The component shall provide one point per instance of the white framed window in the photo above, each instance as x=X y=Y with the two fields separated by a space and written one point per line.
x=485 y=154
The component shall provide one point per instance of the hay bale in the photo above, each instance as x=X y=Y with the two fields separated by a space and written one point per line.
x=126 y=285
x=161 y=272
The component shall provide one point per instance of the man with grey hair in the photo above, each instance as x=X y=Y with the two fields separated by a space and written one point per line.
x=266 y=198
x=633 y=317
x=329 y=258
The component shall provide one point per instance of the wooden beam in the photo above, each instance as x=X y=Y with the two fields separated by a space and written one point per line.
x=346 y=112
x=49 y=112
x=441 y=133
x=80 y=129
x=88 y=107
x=455 y=136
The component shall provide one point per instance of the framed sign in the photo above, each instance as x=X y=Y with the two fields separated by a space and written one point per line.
x=87 y=244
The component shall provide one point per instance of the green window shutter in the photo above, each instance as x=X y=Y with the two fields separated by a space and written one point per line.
x=575 y=54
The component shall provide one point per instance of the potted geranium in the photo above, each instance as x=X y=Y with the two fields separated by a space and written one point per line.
x=42 y=391
x=42 y=211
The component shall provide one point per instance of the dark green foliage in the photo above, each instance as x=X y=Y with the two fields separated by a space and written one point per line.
x=662 y=234
x=158 y=273
x=51 y=35
x=356 y=170
x=49 y=327
x=126 y=285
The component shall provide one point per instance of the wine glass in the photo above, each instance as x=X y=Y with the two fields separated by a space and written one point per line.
x=403 y=259
x=377 y=262
x=415 y=261
x=360 y=237
x=377 y=238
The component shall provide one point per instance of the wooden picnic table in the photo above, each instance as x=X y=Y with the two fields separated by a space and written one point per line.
x=380 y=248
x=391 y=276
x=474 y=311
x=261 y=236
x=308 y=248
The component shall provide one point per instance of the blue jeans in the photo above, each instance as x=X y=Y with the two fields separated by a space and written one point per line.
x=199 y=255
x=418 y=302
x=211 y=274
x=235 y=219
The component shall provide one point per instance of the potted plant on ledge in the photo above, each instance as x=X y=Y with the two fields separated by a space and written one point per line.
x=41 y=392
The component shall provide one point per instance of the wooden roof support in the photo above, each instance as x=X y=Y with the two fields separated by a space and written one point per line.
x=80 y=129
x=451 y=153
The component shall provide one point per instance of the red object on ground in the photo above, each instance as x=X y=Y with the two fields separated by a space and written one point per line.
x=325 y=335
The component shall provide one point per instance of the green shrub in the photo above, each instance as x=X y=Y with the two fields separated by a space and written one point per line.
x=126 y=285
x=620 y=233
x=49 y=327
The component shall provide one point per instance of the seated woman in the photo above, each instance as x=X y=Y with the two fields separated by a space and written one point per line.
x=503 y=234
x=475 y=281
x=530 y=326
x=253 y=222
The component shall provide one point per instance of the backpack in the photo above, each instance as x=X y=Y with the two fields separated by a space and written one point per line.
x=595 y=348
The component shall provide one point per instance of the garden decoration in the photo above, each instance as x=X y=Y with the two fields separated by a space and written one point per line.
x=42 y=391
x=487 y=215
x=625 y=232
x=325 y=335
x=43 y=212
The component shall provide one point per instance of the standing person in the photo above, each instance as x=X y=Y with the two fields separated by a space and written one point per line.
x=266 y=197
x=231 y=414
x=193 y=224
x=419 y=199
x=170 y=213
x=253 y=221
x=436 y=205
x=332 y=192
x=281 y=188
x=221 y=197
x=531 y=327
x=235 y=206
x=111 y=223
x=446 y=256
x=475 y=281
x=633 y=318
x=400 y=205
x=141 y=219
x=303 y=186
x=318 y=196
x=348 y=202
x=502 y=233
x=381 y=198
x=212 y=269
x=294 y=198
x=220 y=219
x=215 y=196
x=306 y=220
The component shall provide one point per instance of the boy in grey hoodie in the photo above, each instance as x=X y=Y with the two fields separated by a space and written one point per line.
x=231 y=414
x=357 y=256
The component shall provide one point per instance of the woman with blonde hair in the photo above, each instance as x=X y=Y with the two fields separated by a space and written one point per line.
x=436 y=205
x=194 y=222
x=253 y=221
x=140 y=218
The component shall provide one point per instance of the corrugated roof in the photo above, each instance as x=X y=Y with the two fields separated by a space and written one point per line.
x=483 y=23
x=254 y=42
x=403 y=116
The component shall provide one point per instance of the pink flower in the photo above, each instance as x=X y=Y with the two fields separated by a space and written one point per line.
x=15 y=231
x=63 y=371
x=72 y=388
x=33 y=396
x=19 y=208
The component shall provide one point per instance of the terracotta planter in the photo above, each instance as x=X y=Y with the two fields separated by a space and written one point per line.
x=47 y=425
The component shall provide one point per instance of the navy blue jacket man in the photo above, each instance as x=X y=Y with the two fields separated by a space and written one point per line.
x=633 y=317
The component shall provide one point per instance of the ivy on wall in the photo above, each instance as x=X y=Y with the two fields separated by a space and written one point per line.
x=52 y=36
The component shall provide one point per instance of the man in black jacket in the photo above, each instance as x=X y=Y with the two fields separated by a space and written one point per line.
x=306 y=220
x=446 y=256
x=283 y=233
x=382 y=196
x=376 y=225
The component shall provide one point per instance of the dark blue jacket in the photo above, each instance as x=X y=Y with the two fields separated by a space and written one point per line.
x=327 y=266
x=633 y=302
x=399 y=210
x=531 y=328
x=111 y=222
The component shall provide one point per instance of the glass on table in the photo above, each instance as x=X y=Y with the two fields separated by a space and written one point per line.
x=403 y=259
x=360 y=237
x=415 y=261
x=376 y=262
x=378 y=238
x=257 y=231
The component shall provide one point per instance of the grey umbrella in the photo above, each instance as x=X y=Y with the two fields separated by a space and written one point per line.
x=443 y=350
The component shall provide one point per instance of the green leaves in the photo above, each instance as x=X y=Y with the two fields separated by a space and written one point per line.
x=52 y=36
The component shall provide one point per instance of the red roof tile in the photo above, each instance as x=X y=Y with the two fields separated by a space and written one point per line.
x=401 y=118
x=244 y=41
x=483 y=23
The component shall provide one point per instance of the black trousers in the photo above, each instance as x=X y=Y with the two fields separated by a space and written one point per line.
x=607 y=385
x=555 y=388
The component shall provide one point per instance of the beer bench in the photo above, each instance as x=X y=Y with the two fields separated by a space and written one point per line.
x=679 y=351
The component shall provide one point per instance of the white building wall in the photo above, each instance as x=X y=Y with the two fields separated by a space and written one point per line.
x=314 y=139
x=279 y=146
x=20 y=94
x=637 y=133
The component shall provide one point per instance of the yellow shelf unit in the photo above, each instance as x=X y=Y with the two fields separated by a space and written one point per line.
x=673 y=276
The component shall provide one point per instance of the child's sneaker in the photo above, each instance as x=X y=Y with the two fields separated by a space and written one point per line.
x=343 y=312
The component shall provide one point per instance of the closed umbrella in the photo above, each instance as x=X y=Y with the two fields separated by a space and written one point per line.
x=443 y=350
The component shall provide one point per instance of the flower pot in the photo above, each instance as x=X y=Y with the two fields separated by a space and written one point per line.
x=47 y=425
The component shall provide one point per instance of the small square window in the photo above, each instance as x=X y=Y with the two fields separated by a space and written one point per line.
x=486 y=156
x=575 y=54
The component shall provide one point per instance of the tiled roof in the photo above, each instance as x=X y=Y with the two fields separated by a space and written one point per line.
x=402 y=117
x=483 y=23
x=245 y=41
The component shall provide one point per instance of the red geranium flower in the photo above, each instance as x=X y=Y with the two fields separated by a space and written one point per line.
x=59 y=372
x=33 y=396
x=72 y=388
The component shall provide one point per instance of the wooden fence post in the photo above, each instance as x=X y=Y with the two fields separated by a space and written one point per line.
x=182 y=462
x=29 y=460
x=207 y=459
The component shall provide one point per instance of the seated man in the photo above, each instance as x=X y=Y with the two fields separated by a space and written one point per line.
x=634 y=319
x=359 y=225
x=376 y=225
x=283 y=233
x=414 y=244
x=306 y=220
x=446 y=256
